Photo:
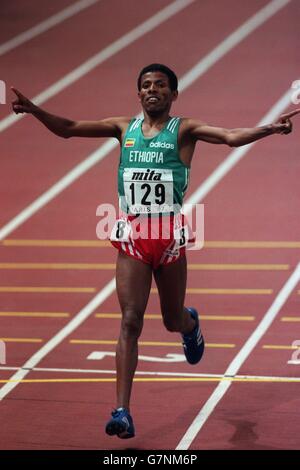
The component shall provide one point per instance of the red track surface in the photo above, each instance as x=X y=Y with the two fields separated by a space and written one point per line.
x=257 y=201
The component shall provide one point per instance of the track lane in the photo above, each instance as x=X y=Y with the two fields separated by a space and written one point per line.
x=267 y=420
x=25 y=17
x=48 y=23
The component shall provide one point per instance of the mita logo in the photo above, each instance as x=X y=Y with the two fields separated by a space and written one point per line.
x=148 y=175
x=163 y=145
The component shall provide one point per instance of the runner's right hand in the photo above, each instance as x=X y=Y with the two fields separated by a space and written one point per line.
x=284 y=124
x=21 y=104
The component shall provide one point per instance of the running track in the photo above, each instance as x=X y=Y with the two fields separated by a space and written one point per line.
x=245 y=281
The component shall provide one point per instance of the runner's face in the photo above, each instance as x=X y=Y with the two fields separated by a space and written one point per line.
x=156 y=95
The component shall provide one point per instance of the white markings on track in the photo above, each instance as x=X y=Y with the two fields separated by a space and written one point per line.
x=43 y=26
x=99 y=355
x=59 y=337
x=58 y=187
x=295 y=359
x=199 y=69
x=97 y=59
x=231 y=41
x=107 y=371
x=239 y=360
x=250 y=378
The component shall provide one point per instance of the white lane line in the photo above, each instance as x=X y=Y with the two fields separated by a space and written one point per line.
x=97 y=59
x=254 y=378
x=179 y=375
x=59 y=337
x=43 y=26
x=232 y=40
x=199 y=69
x=238 y=361
x=58 y=187
x=107 y=371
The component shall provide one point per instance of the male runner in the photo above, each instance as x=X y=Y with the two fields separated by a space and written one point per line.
x=156 y=154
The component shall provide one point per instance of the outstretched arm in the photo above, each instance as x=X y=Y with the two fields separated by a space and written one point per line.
x=238 y=137
x=111 y=127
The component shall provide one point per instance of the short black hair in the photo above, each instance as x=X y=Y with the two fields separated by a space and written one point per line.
x=173 y=81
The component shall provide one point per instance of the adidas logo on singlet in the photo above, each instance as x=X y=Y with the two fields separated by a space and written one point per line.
x=164 y=145
x=148 y=175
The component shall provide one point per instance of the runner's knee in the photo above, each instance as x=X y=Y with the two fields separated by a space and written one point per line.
x=132 y=322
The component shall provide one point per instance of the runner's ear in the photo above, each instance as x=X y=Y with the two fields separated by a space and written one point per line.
x=175 y=95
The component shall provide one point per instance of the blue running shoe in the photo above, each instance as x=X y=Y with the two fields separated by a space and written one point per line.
x=120 y=424
x=193 y=343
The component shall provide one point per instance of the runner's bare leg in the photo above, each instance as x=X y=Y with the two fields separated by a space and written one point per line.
x=133 y=288
x=171 y=283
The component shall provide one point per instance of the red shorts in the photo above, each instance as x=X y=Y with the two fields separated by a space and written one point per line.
x=153 y=240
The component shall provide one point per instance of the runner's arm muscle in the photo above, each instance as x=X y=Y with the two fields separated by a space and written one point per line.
x=237 y=137
x=63 y=127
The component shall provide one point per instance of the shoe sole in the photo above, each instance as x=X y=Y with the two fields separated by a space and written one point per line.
x=116 y=429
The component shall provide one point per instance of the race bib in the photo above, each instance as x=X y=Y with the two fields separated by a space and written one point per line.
x=121 y=231
x=181 y=236
x=148 y=191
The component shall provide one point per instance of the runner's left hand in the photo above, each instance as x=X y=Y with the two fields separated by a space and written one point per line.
x=284 y=124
